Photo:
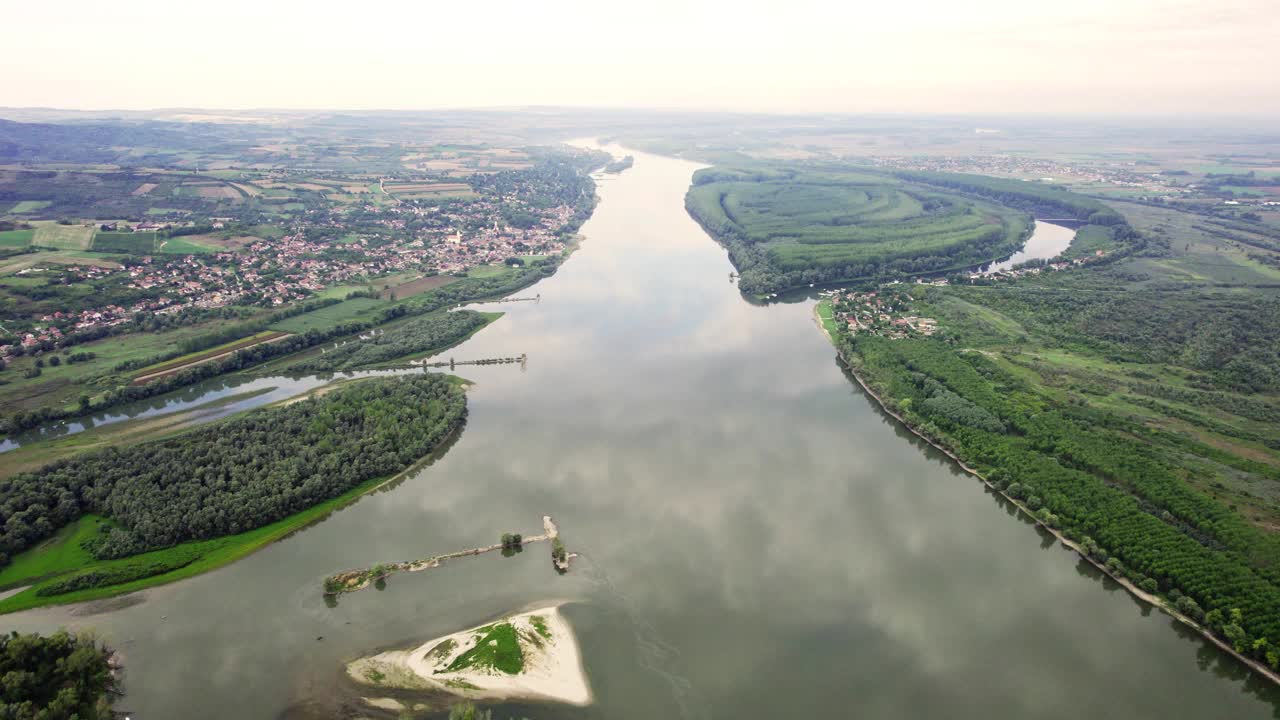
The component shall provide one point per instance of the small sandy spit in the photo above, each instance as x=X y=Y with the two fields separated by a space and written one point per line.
x=552 y=668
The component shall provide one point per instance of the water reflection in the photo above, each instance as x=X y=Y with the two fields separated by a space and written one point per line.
x=758 y=539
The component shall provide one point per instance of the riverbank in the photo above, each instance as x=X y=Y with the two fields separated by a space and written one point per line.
x=532 y=655
x=853 y=365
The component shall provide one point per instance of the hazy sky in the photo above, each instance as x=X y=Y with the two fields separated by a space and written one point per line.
x=1114 y=56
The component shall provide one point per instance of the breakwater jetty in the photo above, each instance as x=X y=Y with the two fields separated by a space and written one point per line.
x=522 y=359
x=353 y=580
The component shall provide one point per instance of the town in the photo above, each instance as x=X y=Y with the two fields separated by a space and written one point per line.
x=332 y=247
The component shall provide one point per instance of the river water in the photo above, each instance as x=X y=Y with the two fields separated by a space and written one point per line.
x=758 y=540
x=1047 y=241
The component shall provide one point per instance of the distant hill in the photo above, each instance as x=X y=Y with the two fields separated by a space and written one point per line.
x=110 y=142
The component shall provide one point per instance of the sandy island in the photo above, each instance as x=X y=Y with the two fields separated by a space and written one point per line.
x=550 y=663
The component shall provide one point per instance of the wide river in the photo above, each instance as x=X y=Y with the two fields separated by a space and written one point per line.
x=758 y=540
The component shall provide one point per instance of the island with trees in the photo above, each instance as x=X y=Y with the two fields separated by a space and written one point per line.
x=123 y=518
x=63 y=676
x=790 y=226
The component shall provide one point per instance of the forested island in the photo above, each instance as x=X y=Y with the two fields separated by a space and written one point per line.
x=1130 y=408
x=164 y=509
x=788 y=227
x=63 y=676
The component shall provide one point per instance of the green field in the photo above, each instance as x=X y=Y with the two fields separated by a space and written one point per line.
x=363 y=309
x=488 y=271
x=27 y=206
x=185 y=246
x=201 y=354
x=787 y=227
x=16 y=238
x=823 y=312
x=132 y=243
x=60 y=553
x=63 y=237
x=1089 y=239
x=340 y=291
x=61 y=386
x=64 y=554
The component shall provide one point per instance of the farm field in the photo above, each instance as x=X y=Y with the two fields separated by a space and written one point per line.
x=27 y=206
x=418 y=191
x=63 y=237
x=159 y=370
x=60 y=257
x=187 y=246
x=129 y=243
x=787 y=227
x=363 y=309
x=488 y=271
x=340 y=291
x=61 y=386
x=16 y=238
x=416 y=287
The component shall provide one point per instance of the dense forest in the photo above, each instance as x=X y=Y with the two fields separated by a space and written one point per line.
x=418 y=335
x=59 y=677
x=236 y=475
x=1095 y=475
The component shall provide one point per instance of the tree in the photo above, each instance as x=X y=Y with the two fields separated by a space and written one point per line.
x=466 y=711
x=60 y=677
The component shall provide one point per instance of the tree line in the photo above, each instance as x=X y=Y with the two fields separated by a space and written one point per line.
x=418 y=335
x=63 y=676
x=1089 y=473
x=236 y=475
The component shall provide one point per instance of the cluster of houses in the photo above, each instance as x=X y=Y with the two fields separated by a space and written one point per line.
x=39 y=335
x=459 y=251
x=884 y=313
x=280 y=271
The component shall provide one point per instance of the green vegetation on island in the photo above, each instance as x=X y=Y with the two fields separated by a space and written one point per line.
x=788 y=227
x=414 y=336
x=496 y=646
x=165 y=505
x=63 y=676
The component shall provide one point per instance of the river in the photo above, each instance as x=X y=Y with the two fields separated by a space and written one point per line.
x=758 y=540
x=1047 y=241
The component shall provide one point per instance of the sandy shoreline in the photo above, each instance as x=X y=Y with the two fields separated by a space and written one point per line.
x=552 y=663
